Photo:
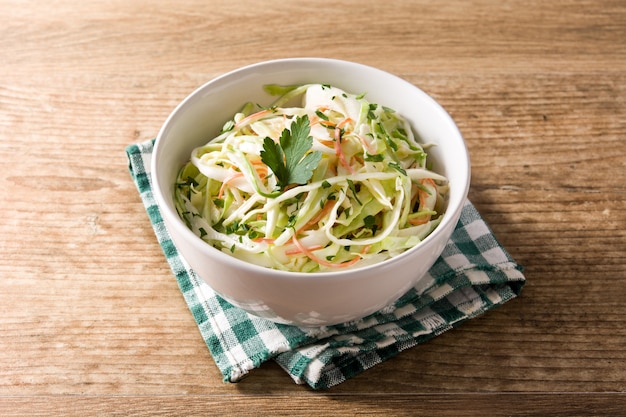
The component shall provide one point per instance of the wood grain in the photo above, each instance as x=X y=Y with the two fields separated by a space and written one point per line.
x=91 y=319
x=453 y=405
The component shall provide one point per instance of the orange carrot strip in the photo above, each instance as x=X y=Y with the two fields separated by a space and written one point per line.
x=327 y=207
x=367 y=145
x=228 y=180
x=297 y=250
x=324 y=262
x=264 y=239
x=313 y=120
x=252 y=117
x=339 y=152
x=344 y=122
x=260 y=168
x=423 y=196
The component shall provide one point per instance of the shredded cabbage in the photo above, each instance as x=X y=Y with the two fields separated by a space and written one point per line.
x=370 y=198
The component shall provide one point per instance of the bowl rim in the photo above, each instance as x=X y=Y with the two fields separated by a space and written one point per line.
x=451 y=213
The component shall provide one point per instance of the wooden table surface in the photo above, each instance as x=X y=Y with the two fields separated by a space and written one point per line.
x=91 y=319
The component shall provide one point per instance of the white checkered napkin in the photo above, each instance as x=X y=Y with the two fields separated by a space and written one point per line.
x=473 y=275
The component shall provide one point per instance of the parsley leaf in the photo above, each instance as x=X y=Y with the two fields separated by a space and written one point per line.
x=288 y=159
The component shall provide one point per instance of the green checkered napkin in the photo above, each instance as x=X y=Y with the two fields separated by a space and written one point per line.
x=474 y=274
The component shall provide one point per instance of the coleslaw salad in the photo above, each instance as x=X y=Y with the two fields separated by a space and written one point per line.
x=322 y=180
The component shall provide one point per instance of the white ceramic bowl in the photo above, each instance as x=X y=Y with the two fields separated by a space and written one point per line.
x=307 y=299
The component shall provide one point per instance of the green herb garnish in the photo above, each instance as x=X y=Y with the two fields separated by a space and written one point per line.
x=288 y=159
x=321 y=115
x=374 y=158
x=397 y=167
x=354 y=191
x=370 y=223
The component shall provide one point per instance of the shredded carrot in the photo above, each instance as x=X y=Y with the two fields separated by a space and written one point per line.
x=260 y=168
x=264 y=239
x=423 y=196
x=327 y=207
x=344 y=122
x=324 y=262
x=339 y=151
x=227 y=180
x=248 y=119
x=367 y=145
x=313 y=120
x=298 y=250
